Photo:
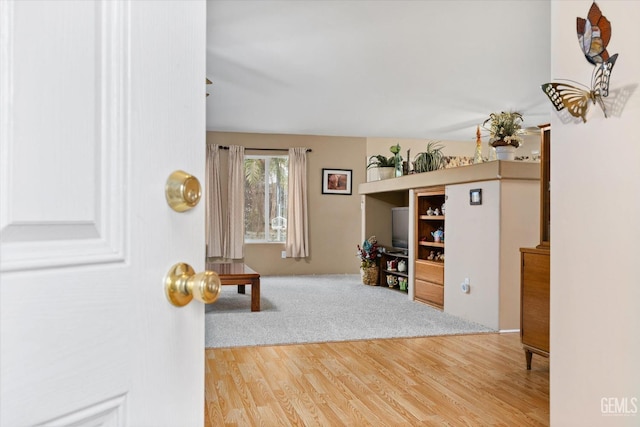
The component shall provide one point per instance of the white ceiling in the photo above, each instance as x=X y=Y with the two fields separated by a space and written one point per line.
x=406 y=69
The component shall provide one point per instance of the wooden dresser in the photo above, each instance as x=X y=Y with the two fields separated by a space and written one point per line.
x=534 y=269
x=534 y=302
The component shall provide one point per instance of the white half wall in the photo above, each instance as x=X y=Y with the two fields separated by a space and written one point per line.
x=483 y=244
x=472 y=242
x=519 y=228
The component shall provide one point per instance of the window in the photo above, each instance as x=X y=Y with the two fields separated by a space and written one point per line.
x=265 y=198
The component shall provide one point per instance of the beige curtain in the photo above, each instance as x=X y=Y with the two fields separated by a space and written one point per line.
x=297 y=245
x=234 y=226
x=213 y=227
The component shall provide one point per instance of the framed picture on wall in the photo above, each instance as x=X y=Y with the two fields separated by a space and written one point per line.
x=336 y=181
x=475 y=196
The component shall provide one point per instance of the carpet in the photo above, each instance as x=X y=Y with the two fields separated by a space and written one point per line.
x=305 y=309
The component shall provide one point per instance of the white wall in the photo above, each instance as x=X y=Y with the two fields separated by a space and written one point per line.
x=595 y=235
x=472 y=242
x=519 y=227
x=483 y=244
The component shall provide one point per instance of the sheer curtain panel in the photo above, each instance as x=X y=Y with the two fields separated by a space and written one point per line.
x=213 y=226
x=297 y=245
x=234 y=229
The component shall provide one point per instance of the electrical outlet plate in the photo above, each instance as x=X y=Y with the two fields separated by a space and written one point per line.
x=464 y=286
x=283 y=254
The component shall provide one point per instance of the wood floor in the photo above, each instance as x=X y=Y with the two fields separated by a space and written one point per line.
x=468 y=380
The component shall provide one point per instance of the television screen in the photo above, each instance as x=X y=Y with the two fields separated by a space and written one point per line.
x=400 y=227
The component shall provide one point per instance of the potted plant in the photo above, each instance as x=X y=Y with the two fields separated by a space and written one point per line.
x=388 y=167
x=505 y=130
x=429 y=160
x=369 y=253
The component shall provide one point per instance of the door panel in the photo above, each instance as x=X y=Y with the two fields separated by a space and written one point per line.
x=101 y=101
x=61 y=166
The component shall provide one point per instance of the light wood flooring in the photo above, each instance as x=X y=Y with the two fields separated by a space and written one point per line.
x=467 y=380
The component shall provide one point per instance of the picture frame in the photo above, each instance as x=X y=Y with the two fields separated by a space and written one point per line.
x=336 y=181
x=475 y=196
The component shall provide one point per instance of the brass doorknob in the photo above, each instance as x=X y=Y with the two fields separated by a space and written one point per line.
x=182 y=191
x=182 y=284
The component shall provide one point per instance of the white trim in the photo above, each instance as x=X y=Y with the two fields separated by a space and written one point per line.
x=110 y=413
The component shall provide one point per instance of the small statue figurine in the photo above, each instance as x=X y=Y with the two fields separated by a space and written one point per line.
x=432 y=255
x=438 y=235
x=436 y=212
x=443 y=209
x=477 y=157
x=430 y=211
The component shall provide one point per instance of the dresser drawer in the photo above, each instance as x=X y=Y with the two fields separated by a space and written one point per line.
x=430 y=271
x=428 y=292
x=534 y=299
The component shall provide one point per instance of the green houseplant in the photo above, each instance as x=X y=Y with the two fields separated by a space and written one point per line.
x=504 y=131
x=393 y=164
x=380 y=161
x=369 y=253
x=429 y=160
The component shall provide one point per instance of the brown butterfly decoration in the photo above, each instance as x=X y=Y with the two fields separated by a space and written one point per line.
x=594 y=34
x=576 y=99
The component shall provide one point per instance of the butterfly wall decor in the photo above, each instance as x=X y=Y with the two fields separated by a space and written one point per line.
x=576 y=99
x=594 y=34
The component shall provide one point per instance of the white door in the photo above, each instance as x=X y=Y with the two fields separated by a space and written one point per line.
x=99 y=103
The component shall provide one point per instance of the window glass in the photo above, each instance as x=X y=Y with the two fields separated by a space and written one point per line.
x=265 y=198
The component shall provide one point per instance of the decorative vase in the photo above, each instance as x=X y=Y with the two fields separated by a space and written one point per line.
x=392 y=280
x=492 y=153
x=506 y=152
x=386 y=172
x=369 y=275
x=398 y=165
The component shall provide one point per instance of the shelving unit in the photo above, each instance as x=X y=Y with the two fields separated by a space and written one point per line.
x=429 y=254
x=394 y=254
x=511 y=190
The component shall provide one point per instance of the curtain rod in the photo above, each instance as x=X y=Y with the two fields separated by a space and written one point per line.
x=226 y=147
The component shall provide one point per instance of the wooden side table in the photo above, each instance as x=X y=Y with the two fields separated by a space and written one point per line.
x=239 y=274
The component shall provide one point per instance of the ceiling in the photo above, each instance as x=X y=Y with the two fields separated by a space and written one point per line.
x=405 y=69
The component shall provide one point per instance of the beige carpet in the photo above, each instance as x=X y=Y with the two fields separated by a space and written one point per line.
x=300 y=309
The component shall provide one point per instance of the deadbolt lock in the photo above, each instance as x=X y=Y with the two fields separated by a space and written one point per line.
x=182 y=191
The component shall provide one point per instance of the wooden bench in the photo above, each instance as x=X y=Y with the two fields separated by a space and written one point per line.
x=239 y=274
